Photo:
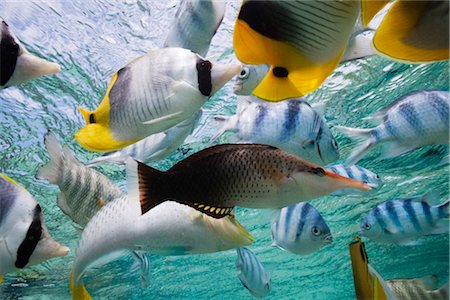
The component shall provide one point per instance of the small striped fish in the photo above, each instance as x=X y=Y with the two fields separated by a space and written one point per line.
x=83 y=190
x=414 y=120
x=252 y=273
x=425 y=288
x=291 y=125
x=300 y=229
x=358 y=173
x=195 y=24
x=404 y=220
x=24 y=238
x=153 y=148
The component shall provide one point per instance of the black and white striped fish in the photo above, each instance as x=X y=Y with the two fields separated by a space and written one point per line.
x=404 y=220
x=195 y=24
x=153 y=148
x=300 y=229
x=252 y=273
x=24 y=238
x=17 y=65
x=414 y=120
x=291 y=125
x=358 y=173
x=83 y=190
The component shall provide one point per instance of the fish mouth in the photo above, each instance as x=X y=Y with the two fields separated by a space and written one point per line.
x=328 y=239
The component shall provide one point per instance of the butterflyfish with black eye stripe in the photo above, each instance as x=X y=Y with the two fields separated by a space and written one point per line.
x=170 y=228
x=221 y=177
x=17 y=65
x=151 y=94
x=24 y=238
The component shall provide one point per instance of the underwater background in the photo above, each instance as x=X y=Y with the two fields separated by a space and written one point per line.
x=91 y=40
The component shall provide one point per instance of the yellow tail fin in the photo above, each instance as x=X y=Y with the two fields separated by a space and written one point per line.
x=415 y=32
x=79 y=292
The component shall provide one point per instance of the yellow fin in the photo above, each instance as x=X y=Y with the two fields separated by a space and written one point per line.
x=97 y=137
x=369 y=8
x=11 y=180
x=1 y=279
x=302 y=75
x=414 y=32
x=85 y=113
x=79 y=292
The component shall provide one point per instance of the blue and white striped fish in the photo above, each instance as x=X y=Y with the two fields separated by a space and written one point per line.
x=414 y=120
x=404 y=220
x=153 y=148
x=358 y=173
x=195 y=24
x=300 y=229
x=252 y=273
x=291 y=125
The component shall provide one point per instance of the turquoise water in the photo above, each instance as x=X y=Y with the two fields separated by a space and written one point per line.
x=91 y=40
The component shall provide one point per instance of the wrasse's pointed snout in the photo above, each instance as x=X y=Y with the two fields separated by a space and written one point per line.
x=222 y=73
x=345 y=182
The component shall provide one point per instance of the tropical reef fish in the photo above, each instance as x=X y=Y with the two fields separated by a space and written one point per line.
x=17 y=64
x=83 y=190
x=152 y=93
x=358 y=173
x=249 y=78
x=168 y=229
x=404 y=220
x=24 y=238
x=302 y=41
x=414 y=31
x=153 y=148
x=425 y=288
x=196 y=22
x=218 y=178
x=252 y=273
x=291 y=125
x=300 y=229
x=414 y=120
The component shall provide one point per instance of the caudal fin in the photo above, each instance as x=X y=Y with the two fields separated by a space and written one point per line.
x=141 y=262
x=78 y=290
x=52 y=171
x=359 y=151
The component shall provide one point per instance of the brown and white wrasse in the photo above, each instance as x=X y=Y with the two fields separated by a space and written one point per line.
x=218 y=178
x=83 y=190
x=425 y=288
x=24 y=238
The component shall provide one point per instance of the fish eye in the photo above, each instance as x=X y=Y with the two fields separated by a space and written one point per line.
x=378 y=177
x=244 y=73
x=316 y=231
x=367 y=226
x=335 y=144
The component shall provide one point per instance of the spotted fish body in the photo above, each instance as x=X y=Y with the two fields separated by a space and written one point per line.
x=248 y=175
x=358 y=173
x=155 y=147
x=425 y=288
x=83 y=190
x=414 y=120
x=168 y=229
x=17 y=65
x=291 y=125
x=24 y=238
x=195 y=24
x=403 y=220
x=151 y=94
x=300 y=229
x=252 y=274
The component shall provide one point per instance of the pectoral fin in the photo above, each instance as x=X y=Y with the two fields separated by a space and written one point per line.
x=415 y=32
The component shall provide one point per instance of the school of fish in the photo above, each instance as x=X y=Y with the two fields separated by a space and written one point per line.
x=283 y=152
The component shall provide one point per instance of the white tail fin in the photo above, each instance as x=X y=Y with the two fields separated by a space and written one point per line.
x=52 y=171
x=358 y=133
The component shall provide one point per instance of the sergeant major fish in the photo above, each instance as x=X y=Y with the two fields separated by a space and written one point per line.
x=24 y=238
x=300 y=229
x=252 y=274
x=358 y=173
x=195 y=23
x=291 y=125
x=414 y=120
x=151 y=94
x=168 y=229
x=404 y=220
x=218 y=178
x=155 y=147
x=17 y=65
x=83 y=190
